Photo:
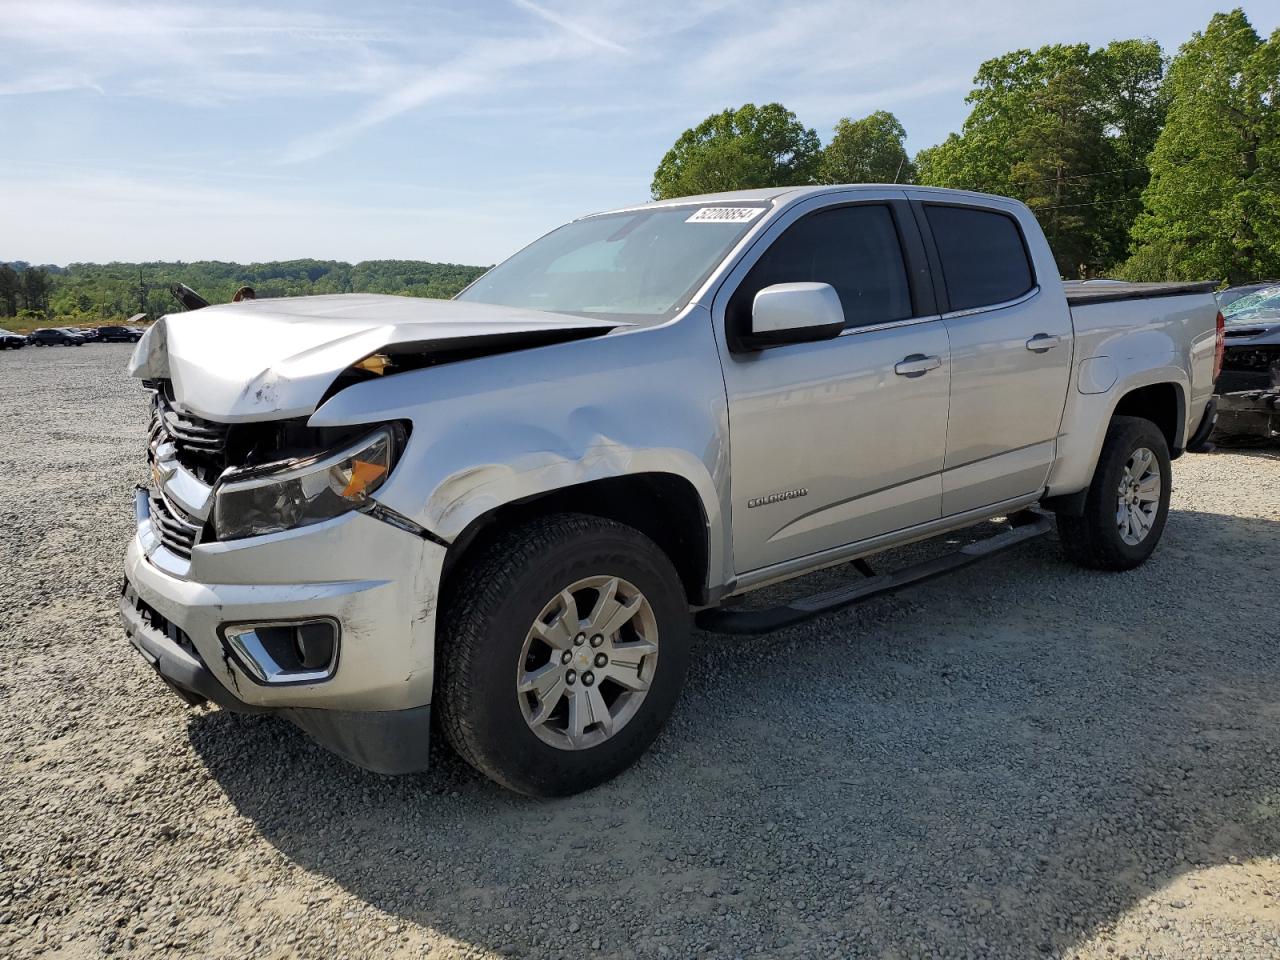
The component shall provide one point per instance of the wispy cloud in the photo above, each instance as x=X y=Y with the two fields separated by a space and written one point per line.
x=42 y=82
x=187 y=52
x=483 y=65
x=571 y=26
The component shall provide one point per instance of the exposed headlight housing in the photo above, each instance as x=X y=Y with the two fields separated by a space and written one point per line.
x=250 y=503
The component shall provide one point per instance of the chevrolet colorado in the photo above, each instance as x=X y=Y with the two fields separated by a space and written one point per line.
x=509 y=507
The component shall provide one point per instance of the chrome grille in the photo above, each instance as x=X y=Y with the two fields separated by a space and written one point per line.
x=174 y=528
x=189 y=433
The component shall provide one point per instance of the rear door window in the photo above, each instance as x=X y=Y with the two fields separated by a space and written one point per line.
x=984 y=258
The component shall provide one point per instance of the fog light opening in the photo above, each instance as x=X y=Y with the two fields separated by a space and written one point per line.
x=284 y=652
x=314 y=643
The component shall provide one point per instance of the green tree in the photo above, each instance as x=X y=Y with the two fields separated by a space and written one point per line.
x=35 y=289
x=1063 y=129
x=9 y=288
x=739 y=149
x=869 y=150
x=942 y=165
x=1132 y=104
x=1212 y=209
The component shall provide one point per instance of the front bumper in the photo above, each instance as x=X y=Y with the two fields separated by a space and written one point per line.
x=376 y=581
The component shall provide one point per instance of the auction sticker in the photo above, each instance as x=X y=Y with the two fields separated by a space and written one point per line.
x=725 y=214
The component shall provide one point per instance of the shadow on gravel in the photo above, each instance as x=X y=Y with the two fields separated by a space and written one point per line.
x=998 y=764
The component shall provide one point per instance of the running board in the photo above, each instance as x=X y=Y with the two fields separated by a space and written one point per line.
x=1025 y=526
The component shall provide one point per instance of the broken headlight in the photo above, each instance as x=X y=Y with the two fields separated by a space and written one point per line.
x=296 y=493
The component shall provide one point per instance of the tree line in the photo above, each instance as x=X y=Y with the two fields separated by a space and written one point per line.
x=91 y=293
x=1136 y=164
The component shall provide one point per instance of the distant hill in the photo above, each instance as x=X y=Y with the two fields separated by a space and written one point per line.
x=98 y=293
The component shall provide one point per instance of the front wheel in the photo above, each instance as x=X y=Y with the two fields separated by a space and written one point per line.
x=1128 y=501
x=564 y=646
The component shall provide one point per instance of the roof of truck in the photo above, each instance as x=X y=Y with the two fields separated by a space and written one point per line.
x=774 y=194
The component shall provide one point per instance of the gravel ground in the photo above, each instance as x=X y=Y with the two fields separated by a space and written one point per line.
x=1022 y=760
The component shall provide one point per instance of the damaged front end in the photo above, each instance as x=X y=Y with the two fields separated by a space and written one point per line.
x=230 y=448
x=1249 y=386
x=1249 y=414
x=216 y=481
x=264 y=573
x=263 y=576
x=282 y=358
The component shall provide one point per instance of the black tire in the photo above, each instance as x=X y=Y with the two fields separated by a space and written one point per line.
x=485 y=618
x=1094 y=540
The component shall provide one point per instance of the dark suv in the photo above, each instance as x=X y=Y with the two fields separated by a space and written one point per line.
x=118 y=335
x=9 y=340
x=51 y=336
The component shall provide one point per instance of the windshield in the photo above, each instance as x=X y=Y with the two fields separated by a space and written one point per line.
x=642 y=265
x=1265 y=304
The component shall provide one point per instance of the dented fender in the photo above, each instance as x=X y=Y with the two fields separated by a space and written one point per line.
x=490 y=432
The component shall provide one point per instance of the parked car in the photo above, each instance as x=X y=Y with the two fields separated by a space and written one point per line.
x=12 y=341
x=53 y=336
x=118 y=335
x=1249 y=386
x=1228 y=297
x=507 y=507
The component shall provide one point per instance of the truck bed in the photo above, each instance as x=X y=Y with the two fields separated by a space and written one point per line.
x=1080 y=293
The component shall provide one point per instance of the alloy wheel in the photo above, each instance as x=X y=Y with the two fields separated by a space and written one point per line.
x=587 y=662
x=1138 y=497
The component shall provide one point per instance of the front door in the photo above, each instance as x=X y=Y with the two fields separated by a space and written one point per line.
x=841 y=440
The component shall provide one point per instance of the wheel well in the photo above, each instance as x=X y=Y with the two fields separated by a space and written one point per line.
x=664 y=507
x=1162 y=404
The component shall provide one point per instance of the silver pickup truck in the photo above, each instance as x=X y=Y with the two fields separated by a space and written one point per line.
x=512 y=506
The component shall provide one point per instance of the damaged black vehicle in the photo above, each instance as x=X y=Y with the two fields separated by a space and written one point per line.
x=1249 y=386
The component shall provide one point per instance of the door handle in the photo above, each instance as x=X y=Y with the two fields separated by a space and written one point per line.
x=1043 y=342
x=916 y=365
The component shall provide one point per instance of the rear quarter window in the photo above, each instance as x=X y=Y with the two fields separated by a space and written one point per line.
x=984 y=258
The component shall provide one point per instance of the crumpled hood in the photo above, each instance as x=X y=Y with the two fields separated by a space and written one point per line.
x=272 y=359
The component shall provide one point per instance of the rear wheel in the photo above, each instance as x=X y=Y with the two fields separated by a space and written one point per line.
x=564 y=646
x=1128 y=501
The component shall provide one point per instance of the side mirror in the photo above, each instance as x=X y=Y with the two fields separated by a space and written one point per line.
x=795 y=313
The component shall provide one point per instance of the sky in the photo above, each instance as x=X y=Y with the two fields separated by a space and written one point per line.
x=453 y=132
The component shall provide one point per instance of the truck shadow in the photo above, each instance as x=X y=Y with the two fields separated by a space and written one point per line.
x=1002 y=763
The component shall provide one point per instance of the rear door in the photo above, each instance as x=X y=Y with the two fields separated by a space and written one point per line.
x=841 y=440
x=1011 y=343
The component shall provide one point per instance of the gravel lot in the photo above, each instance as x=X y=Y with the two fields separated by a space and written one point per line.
x=1021 y=760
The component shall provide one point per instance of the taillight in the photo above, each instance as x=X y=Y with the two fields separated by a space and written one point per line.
x=1219 y=346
